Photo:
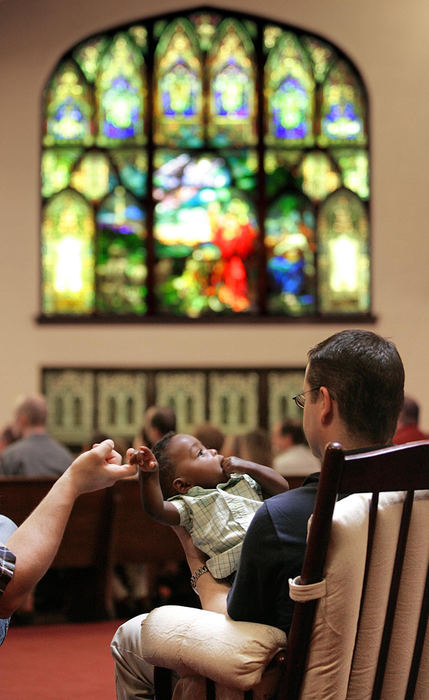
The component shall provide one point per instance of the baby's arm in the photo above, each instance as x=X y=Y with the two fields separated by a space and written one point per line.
x=271 y=481
x=150 y=489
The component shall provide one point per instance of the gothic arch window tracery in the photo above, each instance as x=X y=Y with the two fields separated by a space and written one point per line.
x=205 y=164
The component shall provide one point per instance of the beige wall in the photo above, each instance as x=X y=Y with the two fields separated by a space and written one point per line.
x=388 y=42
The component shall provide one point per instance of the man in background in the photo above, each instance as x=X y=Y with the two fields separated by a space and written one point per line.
x=35 y=453
x=407 y=429
x=293 y=456
x=158 y=421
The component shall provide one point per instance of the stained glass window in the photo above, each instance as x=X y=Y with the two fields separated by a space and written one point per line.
x=205 y=164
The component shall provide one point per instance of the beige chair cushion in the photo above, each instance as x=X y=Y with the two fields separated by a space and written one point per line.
x=234 y=654
x=333 y=639
x=199 y=642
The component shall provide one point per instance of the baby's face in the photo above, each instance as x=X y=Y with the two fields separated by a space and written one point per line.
x=195 y=464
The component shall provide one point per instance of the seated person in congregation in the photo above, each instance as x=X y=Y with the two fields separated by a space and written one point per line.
x=212 y=497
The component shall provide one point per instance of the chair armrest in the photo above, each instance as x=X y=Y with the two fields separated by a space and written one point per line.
x=200 y=642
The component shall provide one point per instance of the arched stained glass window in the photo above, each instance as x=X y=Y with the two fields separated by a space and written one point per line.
x=290 y=86
x=343 y=253
x=205 y=164
x=120 y=93
x=231 y=75
x=178 y=87
x=68 y=255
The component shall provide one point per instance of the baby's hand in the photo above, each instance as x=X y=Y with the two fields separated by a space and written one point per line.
x=232 y=465
x=143 y=458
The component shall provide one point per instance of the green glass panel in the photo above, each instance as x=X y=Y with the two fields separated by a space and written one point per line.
x=290 y=248
x=289 y=93
x=354 y=168
x=121 y=255
x=281 y=168
x=88 y=56
x=232 y=101
x=205 y=25
x=319 y=176
x=132 y=166
x=322 y=55
x=342 y=116
x=120 y=92
x=139 y=34
x=271 y=35
x=120 y=212
x=57 y=164
x=343 y=255
x=68 y=255
x=178 y=87
x=68 y=108
x=205 y=236
x=121 y=274
x=94 y=176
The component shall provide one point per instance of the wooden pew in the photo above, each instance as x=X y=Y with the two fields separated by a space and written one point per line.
x=87 y=540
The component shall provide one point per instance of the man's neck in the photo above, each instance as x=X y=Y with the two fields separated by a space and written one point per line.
x=34 y=430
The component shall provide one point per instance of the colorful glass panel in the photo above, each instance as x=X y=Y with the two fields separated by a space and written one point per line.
x=121 y=255
x=205 y=237
x=343 y=255
x=355 y=169
x=57 y=164
x=88 y=56
x=94 y=176
x=205 y=25
x=342 y=111
x=289 y=87
x=319 y=176
x=132 y=166
x=120 y=212
x=232 y=103
x=322 y=55
x=178 y=87
x=120 y=92
x=68 y=255
x=209 y=162
x=68 y=108
x=290 y=248
x=281 y=171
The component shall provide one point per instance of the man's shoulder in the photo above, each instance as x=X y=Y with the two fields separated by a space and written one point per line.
x=295 y=500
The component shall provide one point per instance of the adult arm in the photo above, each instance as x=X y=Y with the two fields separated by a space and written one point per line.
x=150 y=487
x=270 y=481
x=212 y=593
x=35 y=543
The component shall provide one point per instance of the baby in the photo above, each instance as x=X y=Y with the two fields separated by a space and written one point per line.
x=212 y=497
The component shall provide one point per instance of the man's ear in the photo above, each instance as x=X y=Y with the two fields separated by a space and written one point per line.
x=327 y=407
x=180 y=485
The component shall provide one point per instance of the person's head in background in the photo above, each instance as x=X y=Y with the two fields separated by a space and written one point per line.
x=158 y=421
x=353 y=391
x=254 y=446
x=8 y=436
x=30 y=415
x=210 y=435
x=408 y=425
x=286 y=434
x=410 y=413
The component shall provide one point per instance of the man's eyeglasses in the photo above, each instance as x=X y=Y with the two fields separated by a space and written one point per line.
x=300 y=398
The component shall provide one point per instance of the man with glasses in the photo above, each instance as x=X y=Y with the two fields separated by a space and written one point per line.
x=353 y=392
